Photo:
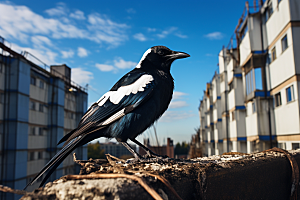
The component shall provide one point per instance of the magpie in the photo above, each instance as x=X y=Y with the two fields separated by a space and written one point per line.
x=132 y=105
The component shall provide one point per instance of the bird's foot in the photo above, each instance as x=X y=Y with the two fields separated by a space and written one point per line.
x=154 y=155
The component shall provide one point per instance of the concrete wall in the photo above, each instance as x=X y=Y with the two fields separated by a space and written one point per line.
x=245 y=48
x=240 y=123
x=254 y=32
x=295 y=44
x=278 y=20
x=290 y=124
x=230 y=72
x=283 y=67
x=294 y=8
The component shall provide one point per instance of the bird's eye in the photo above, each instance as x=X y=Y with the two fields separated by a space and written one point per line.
x=160 y=53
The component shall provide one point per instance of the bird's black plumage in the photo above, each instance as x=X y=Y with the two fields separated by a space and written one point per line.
x=133 y=104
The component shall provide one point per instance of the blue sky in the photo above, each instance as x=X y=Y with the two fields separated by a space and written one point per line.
x=103 y=40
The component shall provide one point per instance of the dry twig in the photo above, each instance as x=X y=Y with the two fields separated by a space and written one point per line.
x=10 y=190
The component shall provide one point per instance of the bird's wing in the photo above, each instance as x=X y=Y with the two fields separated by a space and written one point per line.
x=127 y=94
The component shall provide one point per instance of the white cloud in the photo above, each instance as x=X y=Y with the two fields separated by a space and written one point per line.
x=19 y=22
x=178 y=104
x=78 y=15
x=44 y=54
x=181 y=35
x=131 y=11
x=214 y=36
x=118 y=63
x=166 y=32
x=105 y=67
x=151 y=29
x=40 y=41
x=122 y=64
x=178 y=95
x=82 y=52
x=171 y=115
x=81 y=76
x=140 y=37
x=58 y=11
x=106 y=30
x=67 y=54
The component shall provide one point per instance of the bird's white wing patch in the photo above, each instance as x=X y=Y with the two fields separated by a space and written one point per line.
x=143 y=58
x=116 y=96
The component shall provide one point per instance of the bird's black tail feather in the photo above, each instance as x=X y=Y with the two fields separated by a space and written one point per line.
x=56 y=160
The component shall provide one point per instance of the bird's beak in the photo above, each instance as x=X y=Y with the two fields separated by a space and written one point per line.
x=178 y=55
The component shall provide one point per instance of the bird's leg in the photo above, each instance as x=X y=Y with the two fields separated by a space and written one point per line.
x=148 y=151
x=131 y=150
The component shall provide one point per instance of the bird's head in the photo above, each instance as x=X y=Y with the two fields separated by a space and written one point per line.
x=160 y=57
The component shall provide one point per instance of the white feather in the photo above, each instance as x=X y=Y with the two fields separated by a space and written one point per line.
x=143 y=58
x=113 y=118
x=116 y=96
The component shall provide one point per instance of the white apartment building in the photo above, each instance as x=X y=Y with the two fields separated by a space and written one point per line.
x=252 y=103
x=37 y=107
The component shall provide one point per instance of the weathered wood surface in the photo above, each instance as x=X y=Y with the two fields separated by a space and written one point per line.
x=266 y=175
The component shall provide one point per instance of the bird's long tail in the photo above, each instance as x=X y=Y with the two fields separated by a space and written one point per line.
x=56 y=160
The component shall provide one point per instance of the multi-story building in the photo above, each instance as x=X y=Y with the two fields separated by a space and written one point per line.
x=37 y=107
x=257 y=84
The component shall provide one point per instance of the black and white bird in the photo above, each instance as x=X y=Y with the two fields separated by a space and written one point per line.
x=132 y=105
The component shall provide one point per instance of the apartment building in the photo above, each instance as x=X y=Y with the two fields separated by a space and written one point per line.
x=252 y=103
x=37 y=107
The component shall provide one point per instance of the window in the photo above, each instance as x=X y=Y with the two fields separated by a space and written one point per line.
x=273 y=54
x=295 y=146
x=222 y=77
x=290 y=93
x=279 y=1
x=30 y=156
x=71 y=115
x=40 y=131
x=268 y=12
x=40 y=155
x=32 y=80
x=32 y=130
x=230 y=86
x=32 y=105
x=42 y=84
x=41 y=107
x=253 y=107
x=258 y=79
x=253 y=80
x=249 y=82
x=284 y=44
x=1 y=67
x=281 y=145
x=270 y=9
x=1 y=97
x=278 y=99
